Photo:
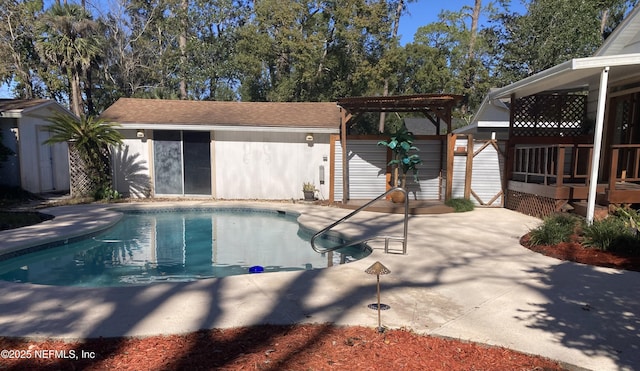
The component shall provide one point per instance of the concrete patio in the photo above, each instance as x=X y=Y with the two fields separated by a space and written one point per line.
x=465 y=276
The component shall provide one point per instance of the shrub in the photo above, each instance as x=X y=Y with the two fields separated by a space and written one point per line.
x=612 y=234
x=602 y=233
x=555 y=229
x=460 y=205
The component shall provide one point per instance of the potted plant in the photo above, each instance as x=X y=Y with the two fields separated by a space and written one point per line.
x=309 y=190
x=404 y=159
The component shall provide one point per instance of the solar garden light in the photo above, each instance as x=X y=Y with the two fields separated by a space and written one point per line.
x=377 y=268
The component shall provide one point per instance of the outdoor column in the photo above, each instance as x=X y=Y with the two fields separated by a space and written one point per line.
x=597 y=145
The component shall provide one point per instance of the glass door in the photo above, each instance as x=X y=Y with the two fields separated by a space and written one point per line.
x=182 y=162
x=197 y=162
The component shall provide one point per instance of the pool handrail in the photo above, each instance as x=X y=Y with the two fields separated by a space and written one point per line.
x=385 y=237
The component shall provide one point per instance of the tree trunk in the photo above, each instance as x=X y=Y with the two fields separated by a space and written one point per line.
x=76 y=98
x=88 y=92
x=603 y=22
x=475 y=18
x=394 y=34
x=471 y=74
x=182 y=42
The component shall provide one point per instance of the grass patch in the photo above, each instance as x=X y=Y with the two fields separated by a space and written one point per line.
x=460 y=205
x=17 y=219
x=12 y=196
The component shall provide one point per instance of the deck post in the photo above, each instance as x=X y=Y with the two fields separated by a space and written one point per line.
x=597 y=145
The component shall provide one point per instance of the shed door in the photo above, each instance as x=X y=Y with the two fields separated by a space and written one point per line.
x=45 y=161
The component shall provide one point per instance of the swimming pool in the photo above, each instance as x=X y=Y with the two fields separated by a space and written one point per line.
x=177 y=245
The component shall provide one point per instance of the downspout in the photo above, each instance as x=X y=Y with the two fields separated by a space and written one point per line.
x=597 y=145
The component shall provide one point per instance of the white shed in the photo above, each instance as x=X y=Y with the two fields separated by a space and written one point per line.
x=35 y=167
x=225 y=150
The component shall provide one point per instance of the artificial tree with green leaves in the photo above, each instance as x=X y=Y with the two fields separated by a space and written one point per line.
x=404 y=156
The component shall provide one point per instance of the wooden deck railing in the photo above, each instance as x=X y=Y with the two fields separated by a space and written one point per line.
x=625 y=164
x=552 y=164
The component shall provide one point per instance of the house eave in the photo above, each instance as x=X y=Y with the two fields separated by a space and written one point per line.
x=237 y=128
x=572 y=74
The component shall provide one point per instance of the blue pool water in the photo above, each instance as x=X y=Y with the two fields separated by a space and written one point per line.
x=177 y=246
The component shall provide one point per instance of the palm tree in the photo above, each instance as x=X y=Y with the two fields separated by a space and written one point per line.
x=92 y=140
x=68 y=39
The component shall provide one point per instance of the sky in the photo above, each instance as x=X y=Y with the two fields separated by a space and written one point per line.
x=422 y=12
x=418 y=14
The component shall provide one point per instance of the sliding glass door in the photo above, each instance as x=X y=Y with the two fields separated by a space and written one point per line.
x=182 y=162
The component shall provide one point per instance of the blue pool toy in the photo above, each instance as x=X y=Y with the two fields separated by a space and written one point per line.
x=256 y=269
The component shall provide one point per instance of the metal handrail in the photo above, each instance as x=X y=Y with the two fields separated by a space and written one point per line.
x=386 y=238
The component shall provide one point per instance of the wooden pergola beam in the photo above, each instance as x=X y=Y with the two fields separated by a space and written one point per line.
x=436 y=107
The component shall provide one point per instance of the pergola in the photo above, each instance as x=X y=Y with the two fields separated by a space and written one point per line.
x=436 y=107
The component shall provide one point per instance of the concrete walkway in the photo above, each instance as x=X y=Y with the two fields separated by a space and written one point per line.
x=465 y=276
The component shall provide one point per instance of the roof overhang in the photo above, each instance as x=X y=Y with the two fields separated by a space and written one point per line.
x=578 y=73
x=200 y=127
x=25 y=107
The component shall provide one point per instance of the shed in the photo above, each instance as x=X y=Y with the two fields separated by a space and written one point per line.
x=225 y=150
x=34 y=166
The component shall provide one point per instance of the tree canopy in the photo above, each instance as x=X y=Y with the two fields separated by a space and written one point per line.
x=286 y=50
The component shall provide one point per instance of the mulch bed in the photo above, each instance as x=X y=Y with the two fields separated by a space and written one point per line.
x=575 y=252
x=300 y=347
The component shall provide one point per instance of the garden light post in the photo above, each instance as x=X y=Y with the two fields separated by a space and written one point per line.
x=377 y=268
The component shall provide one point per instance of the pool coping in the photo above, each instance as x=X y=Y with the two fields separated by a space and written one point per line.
x=68 y=222
x=465 y=276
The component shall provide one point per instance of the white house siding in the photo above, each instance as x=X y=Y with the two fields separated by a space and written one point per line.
x=486 y=175
x=131 y=165
x=367 y=170
x=269 y=165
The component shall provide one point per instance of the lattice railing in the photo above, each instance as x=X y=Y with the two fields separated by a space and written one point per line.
x=550 y=115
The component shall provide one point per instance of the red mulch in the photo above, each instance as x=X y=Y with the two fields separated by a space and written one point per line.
x=299 y=347
x=575 y=252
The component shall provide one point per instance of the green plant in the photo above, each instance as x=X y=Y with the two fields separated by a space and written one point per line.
x=555 y=229
x=612 y=234
x=92 y=139
x=308 y=187
x=602 y=234
x=460 y=205
x=401 y=144
x=631 y=218
x=106 y=193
